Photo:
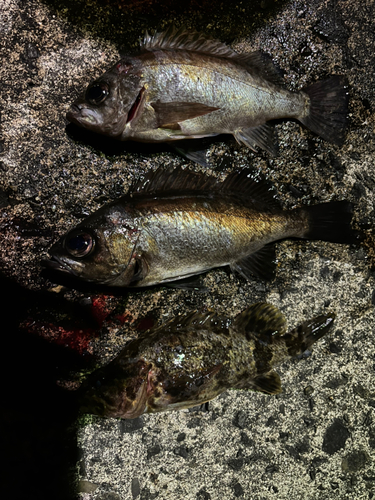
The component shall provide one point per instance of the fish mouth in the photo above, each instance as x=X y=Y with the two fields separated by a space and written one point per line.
x=62 y=265
x=133 y=112
x=82 y=115
x=57 y=264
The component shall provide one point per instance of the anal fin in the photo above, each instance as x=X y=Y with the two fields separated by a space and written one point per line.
x=189 y=283
x=261 y=263
x=268 y=383
x=263 y=136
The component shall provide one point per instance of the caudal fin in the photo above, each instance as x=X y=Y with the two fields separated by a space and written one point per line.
x=301 y=338
x=328 y=111
x=331 y=222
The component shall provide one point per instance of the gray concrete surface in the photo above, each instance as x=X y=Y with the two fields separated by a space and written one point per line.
x=317 y=439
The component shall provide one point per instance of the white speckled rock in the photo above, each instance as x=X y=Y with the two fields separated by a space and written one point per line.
x=317 y=438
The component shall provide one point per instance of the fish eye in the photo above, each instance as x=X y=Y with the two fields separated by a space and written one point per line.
x=97 y=93
x=79 y=243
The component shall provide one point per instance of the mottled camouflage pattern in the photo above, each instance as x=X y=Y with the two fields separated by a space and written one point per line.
x=194 y=358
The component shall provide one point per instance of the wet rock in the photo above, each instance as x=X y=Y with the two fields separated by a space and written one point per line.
x=335 y=348
x=126 y=426
x=181 y=436
x=236 y=463
x=181 y=451
x=109 y=496
x=203 y=495
x=240 y=419
x=86 y=486
x=237 y=490
x=308 y=391
x=147 y=495
x=153 y=451
x=246 y=440
x=335 y=437
x=32 y=51
x=354 y=461
x=135 y=487
x=336 y=382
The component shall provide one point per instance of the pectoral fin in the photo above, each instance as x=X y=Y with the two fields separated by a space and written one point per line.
x=170 y=114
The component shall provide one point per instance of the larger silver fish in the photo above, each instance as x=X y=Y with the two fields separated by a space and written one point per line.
x=193 y=358
x=183 y=86
x=175 y=224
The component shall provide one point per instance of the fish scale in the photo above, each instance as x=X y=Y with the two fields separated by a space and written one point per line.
x=183 y=86
x=176 y=224
x=193 y=358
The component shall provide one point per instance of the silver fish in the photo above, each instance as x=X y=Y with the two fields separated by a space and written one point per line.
x=175 y=224
x=183 y=86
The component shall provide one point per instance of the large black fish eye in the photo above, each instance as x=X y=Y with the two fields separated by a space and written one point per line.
x=79 y=243
x=97 y=92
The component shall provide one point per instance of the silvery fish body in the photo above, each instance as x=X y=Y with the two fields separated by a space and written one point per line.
x=175 y=224
x=183 y=86
x=194 y=358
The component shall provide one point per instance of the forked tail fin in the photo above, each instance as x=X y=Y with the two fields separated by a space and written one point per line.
x=328 y=111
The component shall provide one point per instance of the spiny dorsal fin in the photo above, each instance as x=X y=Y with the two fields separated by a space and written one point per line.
x=257 y=62
x=182 y=39
x=248 y=184
x=163 y=181
x=196 y=319
x=263 y=320
x=262 y=64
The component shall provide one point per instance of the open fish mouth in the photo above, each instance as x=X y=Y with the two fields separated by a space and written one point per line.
x=133 y=112
x=81 y=115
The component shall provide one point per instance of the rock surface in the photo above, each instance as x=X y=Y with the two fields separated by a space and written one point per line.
x=317 y=438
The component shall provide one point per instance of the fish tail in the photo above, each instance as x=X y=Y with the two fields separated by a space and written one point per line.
x=331 y=222
x=327 y=115
x=301 y=338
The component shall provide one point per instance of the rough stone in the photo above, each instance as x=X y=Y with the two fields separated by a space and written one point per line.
x=51 y=176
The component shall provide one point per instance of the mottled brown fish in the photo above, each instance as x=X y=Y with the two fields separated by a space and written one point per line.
x=184 y=86
x=194 y=358
x=175 y=224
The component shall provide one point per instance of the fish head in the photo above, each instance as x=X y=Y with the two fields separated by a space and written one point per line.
x=111 y=102
x=102 y=249
x=118 y=390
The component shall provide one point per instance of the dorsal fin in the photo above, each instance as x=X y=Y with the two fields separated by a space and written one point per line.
x=163 y=181
x=262 y=64
x=250 y=185
x=173 y=38
x=264 y=321
x=182 y=39
x=197 y=319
